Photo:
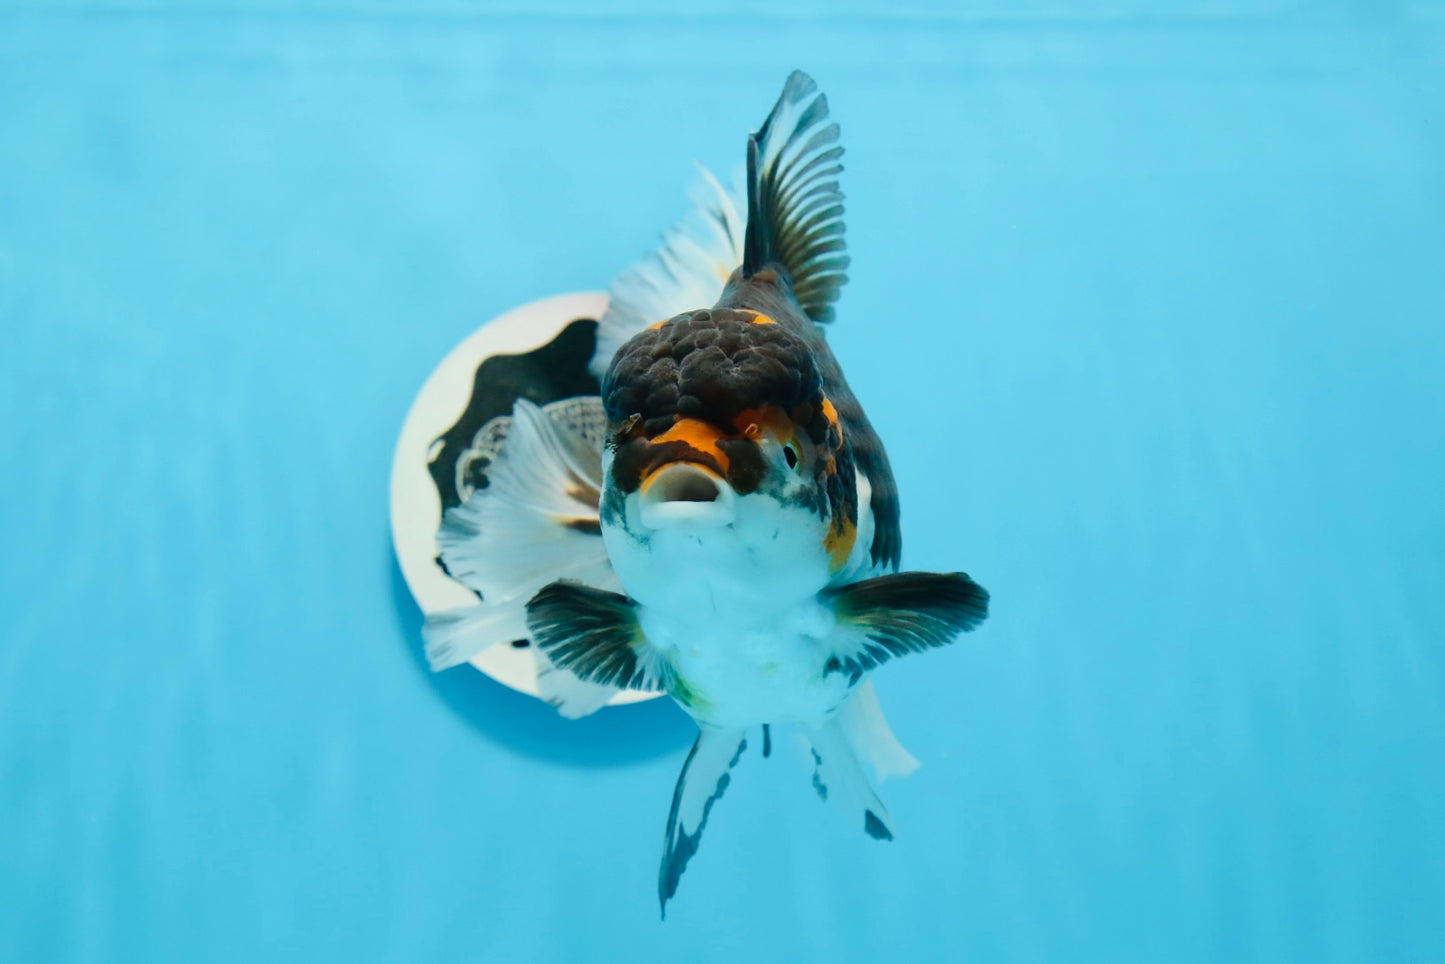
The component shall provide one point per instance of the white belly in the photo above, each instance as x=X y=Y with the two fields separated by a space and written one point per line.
x=740 y=672
x=735 y=609
x=769 y=558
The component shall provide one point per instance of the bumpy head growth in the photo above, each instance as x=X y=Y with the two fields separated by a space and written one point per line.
x=728 y=396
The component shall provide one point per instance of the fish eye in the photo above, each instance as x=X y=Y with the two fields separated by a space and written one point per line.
x=790 y=453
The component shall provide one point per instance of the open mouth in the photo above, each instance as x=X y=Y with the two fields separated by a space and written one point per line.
x=685 y=493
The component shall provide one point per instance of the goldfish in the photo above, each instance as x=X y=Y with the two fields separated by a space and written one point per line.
x=722 y=523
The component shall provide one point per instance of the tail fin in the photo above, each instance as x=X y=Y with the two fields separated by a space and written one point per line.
x=454 y=636
x=838 y=776
x=534 y=522
x=704 y=777
x=795 y=210
x=862 y=722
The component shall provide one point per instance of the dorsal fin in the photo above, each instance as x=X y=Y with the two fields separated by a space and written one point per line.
x=795 y=210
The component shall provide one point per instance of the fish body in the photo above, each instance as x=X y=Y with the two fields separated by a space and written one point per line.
x=749 y=510
x=728 y=578
x=749 y=518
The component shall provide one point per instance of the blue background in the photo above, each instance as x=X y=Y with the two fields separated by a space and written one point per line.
x=1146 y=301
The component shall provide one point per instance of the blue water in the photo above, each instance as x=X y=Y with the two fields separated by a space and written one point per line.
x=1147 y=302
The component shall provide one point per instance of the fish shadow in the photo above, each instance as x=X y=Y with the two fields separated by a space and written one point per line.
x=613 y=736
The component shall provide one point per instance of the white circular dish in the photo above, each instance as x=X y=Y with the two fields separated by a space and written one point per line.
x=416 y=505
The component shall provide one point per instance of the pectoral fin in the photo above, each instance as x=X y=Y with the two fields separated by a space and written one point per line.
x=904 y=613
x=595 y=634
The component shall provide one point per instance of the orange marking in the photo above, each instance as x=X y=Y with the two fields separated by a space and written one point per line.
x=839 y=543
x=700 y=435
x=753 y=422
x=831 y=414
x=761 y=319
x=658 y=325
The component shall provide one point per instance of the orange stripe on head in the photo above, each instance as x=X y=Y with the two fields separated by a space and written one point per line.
x=751 y=422
x=761 y=319
x=699 y=435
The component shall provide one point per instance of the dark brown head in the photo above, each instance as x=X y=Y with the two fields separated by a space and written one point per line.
x=717 y=405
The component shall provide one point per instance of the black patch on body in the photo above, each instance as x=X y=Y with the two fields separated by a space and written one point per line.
x=613 y=508
x=903 y=613
x=747 y=468
x=637 y=457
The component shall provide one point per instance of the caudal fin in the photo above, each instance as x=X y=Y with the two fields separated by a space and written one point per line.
x=704 y=777
x=795 y=210
x=867 y=731
x=534 y=522
x=839 y=778
x=454 y=636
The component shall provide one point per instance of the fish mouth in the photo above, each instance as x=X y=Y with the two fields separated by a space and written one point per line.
x=686 y=493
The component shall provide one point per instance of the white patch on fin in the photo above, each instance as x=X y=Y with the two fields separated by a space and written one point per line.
x=704 y=777
x=689 y=270
x=571 y=695
x=534 y=523
x=453 y=636
x=866 y=729
x=839 y=777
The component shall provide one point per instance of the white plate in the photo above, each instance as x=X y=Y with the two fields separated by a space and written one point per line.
x=416 y=504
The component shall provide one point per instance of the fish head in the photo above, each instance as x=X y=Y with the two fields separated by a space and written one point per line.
x=720 y=429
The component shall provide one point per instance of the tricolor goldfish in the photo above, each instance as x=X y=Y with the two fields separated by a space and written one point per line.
x=749 y=519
